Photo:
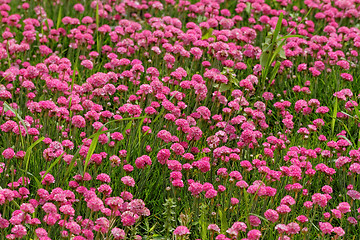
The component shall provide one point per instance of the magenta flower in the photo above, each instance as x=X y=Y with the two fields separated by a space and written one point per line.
x=181 y=231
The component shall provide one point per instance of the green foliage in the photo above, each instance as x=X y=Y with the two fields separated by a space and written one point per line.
x=272 y=48
x=169 y=216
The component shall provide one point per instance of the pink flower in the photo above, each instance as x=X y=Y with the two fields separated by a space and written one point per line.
x=288 y=200
x=283 y=209
x=163 y=155
x=142 y=161
x=67 y=210
x=103 y=178
x=128 y=218
x=254 y=221
x=87 y=64
x=214 y=227
x=27 y=208
x=78 y=121
x=129 y=181
x=79 y=7
x=338 y=231
x=319 y=199
x=202 y=165
x=211 y=193
x=195 y=188
x=344 y=207
x=49 y=208
x=181 y=231
x=41 y=232
x=234 y=201
x=293 y=228
x=254 y=234
x=95 y=204
x=271 y=215
x=8 y=153
x=302 y=219
x=47 y=179
x=355 y=195
x=325 y=227
x=118 y=233
x=19 y=231
x=343 y=64
x=347 y=77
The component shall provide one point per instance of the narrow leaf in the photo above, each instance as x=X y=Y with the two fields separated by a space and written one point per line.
x=291 y=36
x=223 y=220
x=277 y=28
x=28 y=152
x=275 y=70
x=52 y=165
x=91 y=150
x=8 y=107
x=335 y=111
x=207 y=34
x=59 y=18
x=224 y=87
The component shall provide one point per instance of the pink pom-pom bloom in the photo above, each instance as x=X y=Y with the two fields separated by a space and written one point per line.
x=129 y=181
x=181 y=231
x=8 y=153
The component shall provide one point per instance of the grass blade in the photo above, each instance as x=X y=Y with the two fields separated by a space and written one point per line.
x=8 y=107
x=59 y=18
x=335 y=111
x=277 y=28
x=95 y=139
x=223 y=220
x=52 y=165
x=91 y=150
x=28 y=153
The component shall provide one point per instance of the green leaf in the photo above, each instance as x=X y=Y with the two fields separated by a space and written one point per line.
x=282 y=53
x=91 y=150
x=95 y=139
x=36 y=179
x=203 y=221
x=139 y=130
x=201 y=18
x=127 y=127
x=259 y=217
x=160 y=114
x=357 y=113
x=8 y=107
x=223 y=220
x=98 y=43
x=234 y=81
x=28 y=152
x=248 y=8
x=277 y=28
x=59 y=18
x=52 y=165
x=224 y=87
x=208 y=34
x=264 y=58
x=275 y=71
x=8 y=54
x=47 y=24
x=72 y=85
x=291 y=36
x=335 y=111
x=72 y=164
x=97 y=15
x=276 y=52
x=344 y=137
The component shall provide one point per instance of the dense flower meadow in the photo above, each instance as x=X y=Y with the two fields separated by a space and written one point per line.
x=174 y=119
